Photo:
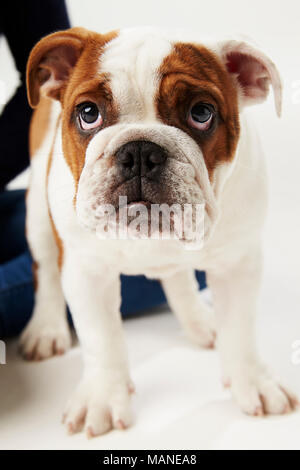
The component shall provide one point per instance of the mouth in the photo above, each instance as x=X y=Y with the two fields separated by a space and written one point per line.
x=141 y=218
x=138 y=191
x=136 y=204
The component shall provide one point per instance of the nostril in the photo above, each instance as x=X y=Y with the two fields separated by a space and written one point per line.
x=155 y=159
x=126 y=160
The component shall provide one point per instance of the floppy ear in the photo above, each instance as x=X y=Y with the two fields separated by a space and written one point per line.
x=51 y=62
x=254 y=72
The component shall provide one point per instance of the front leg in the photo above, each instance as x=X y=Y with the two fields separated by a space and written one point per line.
x=102 y=399
x=196 y=318
x=235 y=295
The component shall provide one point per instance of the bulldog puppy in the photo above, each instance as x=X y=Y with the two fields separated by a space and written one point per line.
x=157 y=118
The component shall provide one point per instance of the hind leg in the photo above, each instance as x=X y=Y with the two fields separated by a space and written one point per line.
x=196 y=318
x=47 y=333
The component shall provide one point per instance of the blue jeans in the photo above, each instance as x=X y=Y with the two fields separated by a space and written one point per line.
x=16 y=281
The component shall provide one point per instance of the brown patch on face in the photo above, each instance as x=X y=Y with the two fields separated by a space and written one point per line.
x=65 y=66
x=192 y=74
x=39 y=125
x=86 y=84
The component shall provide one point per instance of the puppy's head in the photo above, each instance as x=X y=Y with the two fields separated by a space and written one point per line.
x=148 y=116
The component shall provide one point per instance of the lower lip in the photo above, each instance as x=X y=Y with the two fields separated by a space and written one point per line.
x=146 y=204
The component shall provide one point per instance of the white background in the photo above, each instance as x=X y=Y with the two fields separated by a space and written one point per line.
x=180 y=402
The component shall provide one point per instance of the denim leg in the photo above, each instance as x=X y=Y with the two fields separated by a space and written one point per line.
x=16 y=295
x=12 y=224
x=140 y=293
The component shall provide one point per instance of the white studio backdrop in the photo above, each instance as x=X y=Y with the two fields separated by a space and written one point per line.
x=275 y=25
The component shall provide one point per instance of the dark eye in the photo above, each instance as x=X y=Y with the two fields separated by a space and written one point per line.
x=200 y=116
x=89 y=116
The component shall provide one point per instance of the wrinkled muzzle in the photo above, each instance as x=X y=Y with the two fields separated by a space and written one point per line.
x=146 y=182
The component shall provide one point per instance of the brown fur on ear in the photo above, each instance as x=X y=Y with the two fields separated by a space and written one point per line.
x=51 y=62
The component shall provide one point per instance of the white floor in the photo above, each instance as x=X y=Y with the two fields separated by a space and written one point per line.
x=179 y=401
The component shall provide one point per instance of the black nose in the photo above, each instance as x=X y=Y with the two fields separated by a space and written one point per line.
x=140 y=158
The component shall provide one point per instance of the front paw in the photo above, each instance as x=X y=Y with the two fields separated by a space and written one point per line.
x=99 y=404
x=44 y=338
x=258 y=393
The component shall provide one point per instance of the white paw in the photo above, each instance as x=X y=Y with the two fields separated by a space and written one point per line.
x=98 y=405
x=43 y=338
x=200 y=327
x=259 y=393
